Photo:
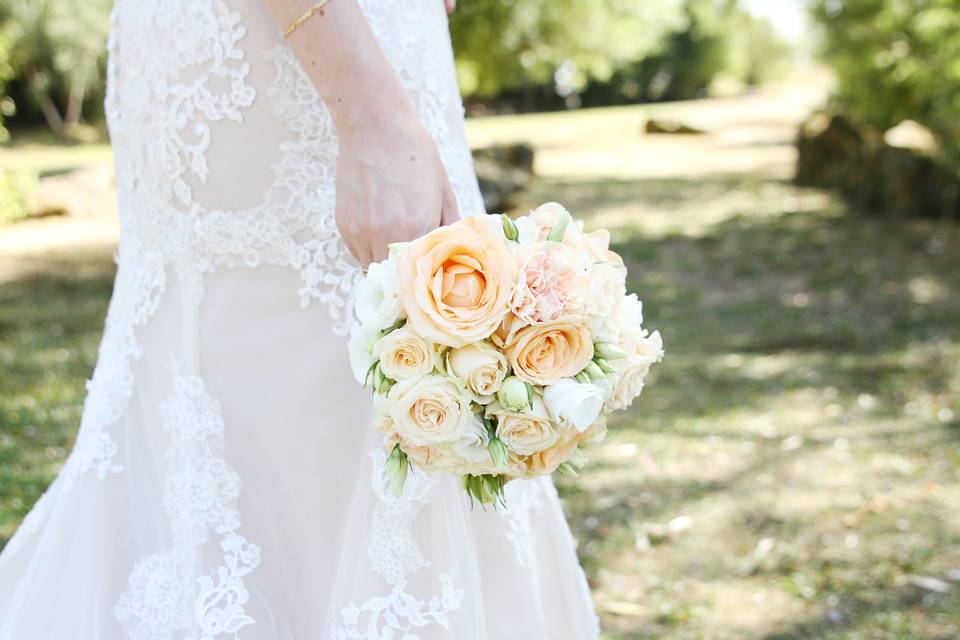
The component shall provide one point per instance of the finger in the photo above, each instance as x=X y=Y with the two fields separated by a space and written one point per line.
x=450 y=4
x=450 y=210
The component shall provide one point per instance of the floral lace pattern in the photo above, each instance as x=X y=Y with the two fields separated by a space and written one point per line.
x=180 y=74
x=166 y=594
x=393 y=554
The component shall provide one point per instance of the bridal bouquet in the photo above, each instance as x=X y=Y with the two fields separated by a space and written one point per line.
x=496 y=347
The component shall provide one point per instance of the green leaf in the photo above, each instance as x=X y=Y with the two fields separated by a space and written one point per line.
x=560 y=229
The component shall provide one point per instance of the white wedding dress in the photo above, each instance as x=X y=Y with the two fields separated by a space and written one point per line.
x=226 y=481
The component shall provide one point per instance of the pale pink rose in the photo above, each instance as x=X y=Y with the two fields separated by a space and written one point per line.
x=546 y=217
x=550 y=275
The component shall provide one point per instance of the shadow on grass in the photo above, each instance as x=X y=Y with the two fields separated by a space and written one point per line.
x=50 y=326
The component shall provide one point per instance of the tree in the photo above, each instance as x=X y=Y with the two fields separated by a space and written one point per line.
x=896 y=60
x=510 y=44
x=57 y=49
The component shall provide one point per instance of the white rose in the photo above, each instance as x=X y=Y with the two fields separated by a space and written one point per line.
x=481 y=367
x=404 y=354
x=574 y=404
x=525 y=433
x=430 y=410
x=376 y=302
x=360 y=349
x=646 y=351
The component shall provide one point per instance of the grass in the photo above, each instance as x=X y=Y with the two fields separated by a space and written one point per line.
x=792 y=470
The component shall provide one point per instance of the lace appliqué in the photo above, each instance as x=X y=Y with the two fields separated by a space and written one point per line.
x=523 y=499
x=393 y=553
x=166 y=596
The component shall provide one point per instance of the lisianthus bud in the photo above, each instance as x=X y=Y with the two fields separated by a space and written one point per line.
x=560 y=229
x=396 y=468
x=605 y=366
x=498 y=452
x=514 y=394
x=582 y=378
x=509 y=228
x=608 y=351
x=594 y=371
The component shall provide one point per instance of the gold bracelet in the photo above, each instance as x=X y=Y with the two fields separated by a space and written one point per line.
x=312 y=11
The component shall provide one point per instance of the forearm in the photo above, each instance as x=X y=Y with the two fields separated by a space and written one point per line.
x=340 y=55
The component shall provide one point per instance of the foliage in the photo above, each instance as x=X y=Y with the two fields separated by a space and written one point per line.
x=510 y=44
x=16 y=190
x=896 y=60
x=612 y=51
x=56 y=55
x=795 y=470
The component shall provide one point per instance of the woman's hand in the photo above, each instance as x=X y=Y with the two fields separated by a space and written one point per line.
x=391 y=187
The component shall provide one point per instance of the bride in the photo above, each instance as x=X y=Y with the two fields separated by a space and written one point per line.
x=226 y=481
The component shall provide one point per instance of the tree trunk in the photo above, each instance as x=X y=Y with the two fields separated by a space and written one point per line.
x=49 y=109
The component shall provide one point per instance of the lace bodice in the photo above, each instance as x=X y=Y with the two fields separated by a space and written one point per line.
x=173 y=112
x=225 y=161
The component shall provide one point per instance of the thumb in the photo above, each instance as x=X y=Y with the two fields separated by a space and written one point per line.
x=450 y=211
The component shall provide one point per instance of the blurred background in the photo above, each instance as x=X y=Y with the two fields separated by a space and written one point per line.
x=783 y=179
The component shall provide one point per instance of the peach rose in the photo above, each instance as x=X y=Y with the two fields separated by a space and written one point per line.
x=455 y=282
x=545 y=353
x=546 y=462
x=404 y=354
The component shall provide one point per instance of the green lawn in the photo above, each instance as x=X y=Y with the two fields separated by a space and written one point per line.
x=792 y=470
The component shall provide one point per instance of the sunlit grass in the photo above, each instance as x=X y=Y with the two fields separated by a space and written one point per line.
x=792 y=470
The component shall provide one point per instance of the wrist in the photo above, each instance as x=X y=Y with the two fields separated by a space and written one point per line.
x=375 y=106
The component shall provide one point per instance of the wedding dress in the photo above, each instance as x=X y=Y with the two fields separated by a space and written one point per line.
x=226 y=481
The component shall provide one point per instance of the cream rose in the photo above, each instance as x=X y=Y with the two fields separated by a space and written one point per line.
x=429 y=410
x=574 y=404
x=456 y=282
x=404 y=354
x=525 y=433
x=480 y=367
x=544 y=353
x=646 y=351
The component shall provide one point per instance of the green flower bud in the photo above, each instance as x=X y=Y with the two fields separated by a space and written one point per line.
x=498 y=452
x=396 y=468
x=609 y=351
x=582 y=378
x=509 y=228
x=605 y=366
x=567 y=469
x=594 y=371
x=515 y=394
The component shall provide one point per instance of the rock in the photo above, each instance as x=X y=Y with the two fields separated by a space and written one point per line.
x=503 y=171
x=829 y=151
x=912 y=135
x=873 y=175
x=655 y=125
